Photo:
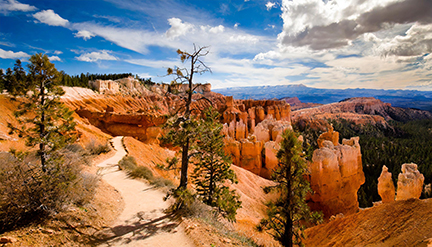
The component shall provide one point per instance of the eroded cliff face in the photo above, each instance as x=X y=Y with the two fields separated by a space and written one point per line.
x=253 y=129
x=336 y=174
x=131 y=112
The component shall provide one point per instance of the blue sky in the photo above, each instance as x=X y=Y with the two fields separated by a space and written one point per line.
x=319 y=43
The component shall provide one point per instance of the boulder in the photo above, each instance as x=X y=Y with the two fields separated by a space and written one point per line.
x=386 y=188
x=410 y=183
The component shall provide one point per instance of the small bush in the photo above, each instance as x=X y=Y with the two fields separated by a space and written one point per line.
x=141 y=172
x=162 y=182
x=128 y=163
x=29 y=194
x=96 y=149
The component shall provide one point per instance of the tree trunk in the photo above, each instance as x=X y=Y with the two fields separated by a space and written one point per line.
x=42 y=128
x=184 y=166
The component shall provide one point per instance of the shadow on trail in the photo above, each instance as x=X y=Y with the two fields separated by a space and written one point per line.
x=141 y=228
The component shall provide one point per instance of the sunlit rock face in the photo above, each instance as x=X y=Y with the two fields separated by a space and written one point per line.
x=410 y=183
x=386 y=188
x=253 y=129
x=336 y=174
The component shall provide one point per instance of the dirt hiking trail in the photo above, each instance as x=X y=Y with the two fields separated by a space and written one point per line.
x=142 y=223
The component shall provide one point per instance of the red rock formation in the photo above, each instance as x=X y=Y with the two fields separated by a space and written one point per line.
x=336 y=175
x=330 y=135
x=410 y=183
x=386 y=188
x=271 y=161
x=250 y=155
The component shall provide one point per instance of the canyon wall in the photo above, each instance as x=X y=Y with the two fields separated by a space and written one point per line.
x=252 y=132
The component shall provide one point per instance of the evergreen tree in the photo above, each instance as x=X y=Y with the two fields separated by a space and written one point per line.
x=213 y=168
x=2 y=80
x=183 y=122
x=286 y=214
x=45 y=121
x=16 y=82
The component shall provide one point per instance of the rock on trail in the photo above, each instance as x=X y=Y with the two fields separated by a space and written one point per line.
x=142 y=223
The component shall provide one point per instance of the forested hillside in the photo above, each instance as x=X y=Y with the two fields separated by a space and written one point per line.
x=392 y=147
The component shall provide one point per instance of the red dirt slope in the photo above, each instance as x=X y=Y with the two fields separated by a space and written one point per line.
x=400 y=223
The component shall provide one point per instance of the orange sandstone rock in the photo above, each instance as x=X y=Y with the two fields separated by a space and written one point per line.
x=336 y=174
x=271 y=161
x=251 y=158
x=330 y=135
x=386 y=188
x=410 y=183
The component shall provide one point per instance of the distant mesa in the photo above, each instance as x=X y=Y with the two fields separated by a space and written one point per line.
x=398 y=98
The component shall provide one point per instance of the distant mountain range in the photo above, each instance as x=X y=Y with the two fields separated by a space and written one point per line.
x=399 y=98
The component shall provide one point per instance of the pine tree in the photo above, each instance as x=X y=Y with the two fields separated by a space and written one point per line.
x=183 y=123
x=213 y=168
x=45 y=121
x=16 y=81
x=286 y=214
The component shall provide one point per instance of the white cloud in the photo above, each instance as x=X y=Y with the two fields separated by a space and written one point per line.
x=84 y=34
x=218 y=29
x=219 y=38
x=12 y=5
x=333 y=24
x=96 y=56
x=12 y=55
x=178 y=28
x=58 y=52
x=236 y=25
x=54 y=58
x=50 y=18
x=269 y=5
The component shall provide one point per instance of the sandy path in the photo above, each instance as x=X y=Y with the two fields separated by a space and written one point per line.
x=142 y=223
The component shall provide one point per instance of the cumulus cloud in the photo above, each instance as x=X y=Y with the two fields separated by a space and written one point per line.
x=270 y=5
x=84 y=34
x=54 y=58
x=178 y=28
x=321 y=25
x=58 y=52
x=96 y=56
x=12 y=5
x=415 y=42
x=51 y=18
x=12 y=55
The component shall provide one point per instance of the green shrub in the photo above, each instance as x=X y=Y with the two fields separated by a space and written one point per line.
x=162 y=182
x=141 y=172
x=128 y=163
x=29 y=194
x=97 y=148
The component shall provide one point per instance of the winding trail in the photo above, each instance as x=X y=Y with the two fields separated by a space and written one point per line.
x=142 y=223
